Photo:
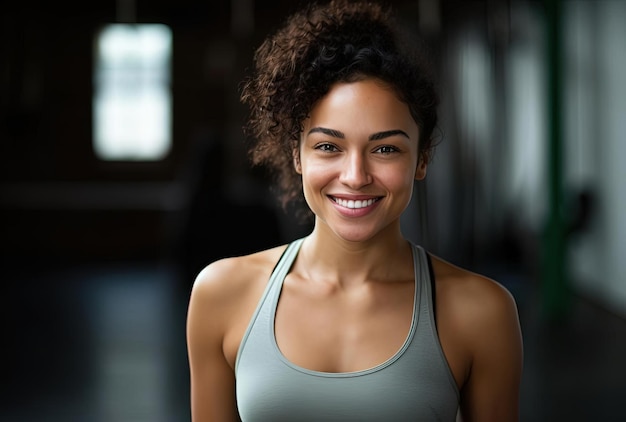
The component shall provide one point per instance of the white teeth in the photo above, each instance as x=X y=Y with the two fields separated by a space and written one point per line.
x=354 y=204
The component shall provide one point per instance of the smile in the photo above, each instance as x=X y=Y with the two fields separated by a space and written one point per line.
x=352 y=204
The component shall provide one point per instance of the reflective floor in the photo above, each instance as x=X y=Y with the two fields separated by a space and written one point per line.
x=106 y=343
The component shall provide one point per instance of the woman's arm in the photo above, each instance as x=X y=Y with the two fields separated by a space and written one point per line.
x=212 y=378
x=491 y=391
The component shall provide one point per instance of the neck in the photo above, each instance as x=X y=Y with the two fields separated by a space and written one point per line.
x=326 y=256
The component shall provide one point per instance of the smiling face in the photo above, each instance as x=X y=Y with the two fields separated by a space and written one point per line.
x=359 y=159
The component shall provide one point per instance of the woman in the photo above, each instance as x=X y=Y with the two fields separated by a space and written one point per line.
x=352 y=322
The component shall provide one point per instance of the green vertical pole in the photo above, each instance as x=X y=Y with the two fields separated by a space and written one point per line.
x=555 y=290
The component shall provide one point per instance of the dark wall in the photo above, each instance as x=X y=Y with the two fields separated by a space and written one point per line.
x=57 y=199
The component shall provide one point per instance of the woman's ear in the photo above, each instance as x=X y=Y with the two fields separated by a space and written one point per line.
x=422 y=166
x=296 y=160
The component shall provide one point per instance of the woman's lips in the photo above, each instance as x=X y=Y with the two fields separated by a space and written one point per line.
x=355 y=203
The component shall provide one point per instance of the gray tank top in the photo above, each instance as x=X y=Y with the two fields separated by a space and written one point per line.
x=415 y=384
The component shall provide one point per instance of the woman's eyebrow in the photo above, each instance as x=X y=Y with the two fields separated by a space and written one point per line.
x=330 y=132
x=386 y=134
x=373 y=137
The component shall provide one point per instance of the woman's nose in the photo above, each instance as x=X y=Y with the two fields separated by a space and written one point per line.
x=355 y=172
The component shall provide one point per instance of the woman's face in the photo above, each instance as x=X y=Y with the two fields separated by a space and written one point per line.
x=359 y=158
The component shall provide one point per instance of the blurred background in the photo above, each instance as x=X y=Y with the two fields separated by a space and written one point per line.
x=123 y=173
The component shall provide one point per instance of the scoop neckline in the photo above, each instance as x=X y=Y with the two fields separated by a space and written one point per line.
x=378 y=367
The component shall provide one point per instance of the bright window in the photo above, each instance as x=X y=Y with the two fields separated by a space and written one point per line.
x=132 y=103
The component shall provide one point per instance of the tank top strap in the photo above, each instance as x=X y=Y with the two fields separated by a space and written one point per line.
x=284 y=263
x=422 y=281
x=273 y=287
x=425 y=289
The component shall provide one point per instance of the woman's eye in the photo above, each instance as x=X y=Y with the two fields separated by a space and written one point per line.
x=386 y=149
x=327 y=147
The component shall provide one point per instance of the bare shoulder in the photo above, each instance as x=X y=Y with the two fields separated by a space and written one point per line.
x=223 y=298
x=479 y=329
x=477 y=316
x=472 y=297
x=228 y=279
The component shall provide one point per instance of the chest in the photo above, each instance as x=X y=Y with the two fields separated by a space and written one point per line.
x=339 y=359
x=343 y=331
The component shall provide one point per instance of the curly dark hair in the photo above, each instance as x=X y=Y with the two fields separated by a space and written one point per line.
x=340 y=41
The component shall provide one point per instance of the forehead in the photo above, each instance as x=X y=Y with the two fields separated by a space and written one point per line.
x=367 y=105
